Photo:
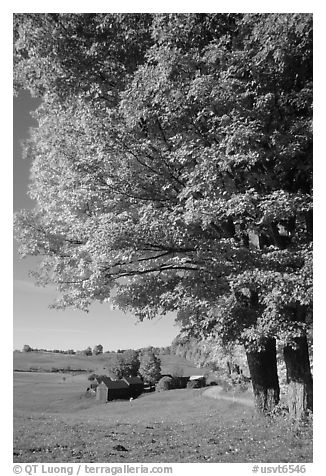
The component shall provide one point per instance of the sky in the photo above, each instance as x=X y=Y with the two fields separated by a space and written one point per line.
x=35 y=323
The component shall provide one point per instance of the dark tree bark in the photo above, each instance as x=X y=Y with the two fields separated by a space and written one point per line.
x=264 y=378
x=299 y=378
x=228 y=364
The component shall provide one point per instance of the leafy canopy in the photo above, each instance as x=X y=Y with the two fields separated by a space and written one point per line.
x=173 y=165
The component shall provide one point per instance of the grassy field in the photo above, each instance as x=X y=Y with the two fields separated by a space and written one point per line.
x=54 y=421
x=46 y=361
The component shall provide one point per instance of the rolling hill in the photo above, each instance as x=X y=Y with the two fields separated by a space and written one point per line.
x=55 y=362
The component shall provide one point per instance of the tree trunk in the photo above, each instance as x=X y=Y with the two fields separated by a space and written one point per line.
x=228 y=364
x=299 y=378
x=264 y=378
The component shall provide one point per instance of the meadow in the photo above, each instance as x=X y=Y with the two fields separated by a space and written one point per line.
x=55 y=421
x=51 y=362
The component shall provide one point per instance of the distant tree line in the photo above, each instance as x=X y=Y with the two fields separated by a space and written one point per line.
x=28 y=348
x=98 y=350
x=203 y=353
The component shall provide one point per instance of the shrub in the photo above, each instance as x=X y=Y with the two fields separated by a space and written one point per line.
x=235 y=383
x=88 y=352
x=92 y=377
x=165 y=383
x=239 y=383
x=194 y=384
x=93 y=385
x=280 y=410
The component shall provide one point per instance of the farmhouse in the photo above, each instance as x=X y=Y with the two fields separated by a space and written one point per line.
x=125 y=388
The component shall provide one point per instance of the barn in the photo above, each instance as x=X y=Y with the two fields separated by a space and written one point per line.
x=196 y=377
x=200 y=380
x=180 y=382
x=136 y=386
x=108 y=389
x=112 y=390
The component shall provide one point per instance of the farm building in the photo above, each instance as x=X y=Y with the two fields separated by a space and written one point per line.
x=136 y=386
x=197 y=377
x=200 y=379
x=112 y=390
x=109 y=389
x=180 y=382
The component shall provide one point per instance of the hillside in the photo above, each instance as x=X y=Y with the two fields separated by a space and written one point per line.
x=52 y=362
x=175 y=426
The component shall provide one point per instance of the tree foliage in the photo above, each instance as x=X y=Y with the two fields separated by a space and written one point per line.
x=150 y=367
x=173 y=164
x=131 y=362
x=88 y=351
x=124 y=364
x=27 y=348
x=98 y=349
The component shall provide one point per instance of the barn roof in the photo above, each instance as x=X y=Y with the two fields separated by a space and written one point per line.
x=111 y=384
x=166 y=375
x=196 y=377
x=101 y=378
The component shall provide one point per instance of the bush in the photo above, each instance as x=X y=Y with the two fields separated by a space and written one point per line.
x=92 y=377
x=280 y=410
x=93 y=385
x=34 y=369
x=235 y=383
x=194 y=384
x=88 y=352
x=165 y=383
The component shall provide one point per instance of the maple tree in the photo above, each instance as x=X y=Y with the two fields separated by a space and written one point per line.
x=150 y=367
x=173 y=165
x=124 y=364
x=131 y=362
